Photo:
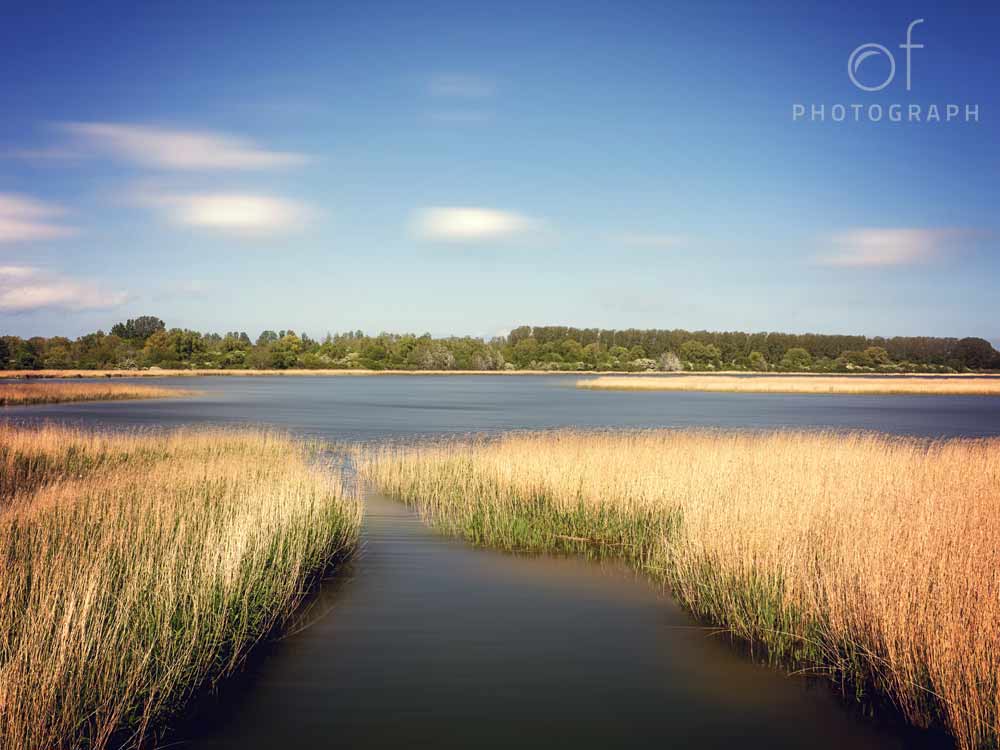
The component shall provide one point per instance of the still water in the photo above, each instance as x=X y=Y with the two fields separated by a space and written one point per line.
x=372 y=408
x=424 y=641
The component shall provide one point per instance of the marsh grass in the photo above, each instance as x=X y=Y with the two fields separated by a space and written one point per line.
x=154 y=372
x=809 y=384
x=136 y=569
x=19 y=394
x=290 y=372
x=870 y=559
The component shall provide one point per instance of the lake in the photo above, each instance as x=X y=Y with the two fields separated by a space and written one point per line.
x=423 y=641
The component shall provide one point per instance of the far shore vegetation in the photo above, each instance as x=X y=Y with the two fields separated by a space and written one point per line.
x=142 y=343
x=871 y=560
x=137 y=568
x=20 y=394
x=814 y=384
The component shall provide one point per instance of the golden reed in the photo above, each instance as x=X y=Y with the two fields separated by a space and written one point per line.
x=136 y=568
x=873 y=559
x=816 y=384
x=19 y=394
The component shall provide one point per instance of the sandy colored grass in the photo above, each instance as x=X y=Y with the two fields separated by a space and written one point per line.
x=813 y=384
x=355 y=372
x=135 y=568
x=292 y=373
x=875 y=560
x=19 y=394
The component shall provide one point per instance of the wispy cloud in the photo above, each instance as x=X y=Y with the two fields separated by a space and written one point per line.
x=26 y=288
x=23 y=219
x=461 y=85
x=873 y=248
x=460 y=98
x=184 y=150
x=468 y=224
x=44 y=155
x=234 y=213
x=654 y=240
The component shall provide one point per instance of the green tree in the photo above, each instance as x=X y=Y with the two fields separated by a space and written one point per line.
x=186 y=344
x=796 y=359
x=976 y=354
x=700 y=356
x=98 y=351
x=757 y=362
x=267 y=337
x=878 y=356
x=852 y=360
x=58 y=353
x=524 y=352
x=571 y=350
x=138 y=329
x=285 y=351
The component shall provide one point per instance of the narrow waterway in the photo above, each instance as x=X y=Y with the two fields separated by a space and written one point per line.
x=427 y=642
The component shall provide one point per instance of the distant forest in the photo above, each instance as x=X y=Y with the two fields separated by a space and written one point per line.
x=146 y=342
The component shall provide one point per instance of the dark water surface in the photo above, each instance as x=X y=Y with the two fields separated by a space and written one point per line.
x=426 y=642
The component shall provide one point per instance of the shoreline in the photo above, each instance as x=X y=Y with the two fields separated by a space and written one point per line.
x=742 y=374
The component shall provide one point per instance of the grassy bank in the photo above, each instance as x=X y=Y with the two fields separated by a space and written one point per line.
x=20 y=394
x=360 y=372
x=297 y=372
x=814 y=384
x=134 y=569
x=871 y=559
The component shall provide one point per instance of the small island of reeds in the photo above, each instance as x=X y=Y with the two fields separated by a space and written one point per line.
x=25 y=394
x=137 y=568
x=869 y=559
x=806 y=384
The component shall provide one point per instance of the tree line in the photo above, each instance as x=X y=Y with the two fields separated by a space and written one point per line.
x=145 y=342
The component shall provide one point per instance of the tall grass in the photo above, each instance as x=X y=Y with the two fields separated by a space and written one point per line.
x=17 y=394
x=816 y=384
x=154 y=372
x=134 y=569
x=873 y=559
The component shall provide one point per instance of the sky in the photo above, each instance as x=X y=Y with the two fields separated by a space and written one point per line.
x=464 y=168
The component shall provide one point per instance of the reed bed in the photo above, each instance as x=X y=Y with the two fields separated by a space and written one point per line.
x=20 y=394
x=137 y=568
x=292 y=373
x=813 y=384
x=359 y=372
x=872 y=559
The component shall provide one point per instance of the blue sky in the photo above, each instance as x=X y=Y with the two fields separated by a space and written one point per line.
x=468 y=167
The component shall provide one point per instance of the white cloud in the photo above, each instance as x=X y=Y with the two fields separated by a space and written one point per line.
x=236 y=213
x=25 y=288
x=872 y=248
x=468 y=224
x=663 y=241
x=23 y=219
x=162 y=148
x=460 y=85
